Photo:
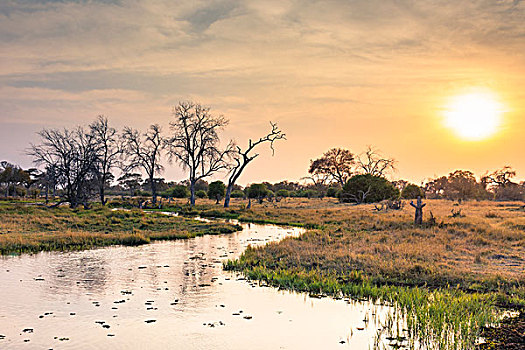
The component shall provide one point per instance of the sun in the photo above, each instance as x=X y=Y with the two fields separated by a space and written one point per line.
x=474 y=116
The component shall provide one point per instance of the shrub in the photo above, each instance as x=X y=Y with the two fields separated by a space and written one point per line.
x=412 y=191
x=201 y=194
x=332 y=192
x=283 y=193
x=178 y=191
x=237 y=194
x=368 y=189
x=216 y=190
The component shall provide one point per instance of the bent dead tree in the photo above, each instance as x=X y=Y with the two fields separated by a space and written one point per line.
x=418 y=217
x=243 y=158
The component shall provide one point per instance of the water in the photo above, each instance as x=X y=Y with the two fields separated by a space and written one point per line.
x=168 y=295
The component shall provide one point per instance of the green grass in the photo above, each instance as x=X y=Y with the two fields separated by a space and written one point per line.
x=29 y=228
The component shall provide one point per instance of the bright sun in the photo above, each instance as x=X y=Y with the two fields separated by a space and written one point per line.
x=474 y=116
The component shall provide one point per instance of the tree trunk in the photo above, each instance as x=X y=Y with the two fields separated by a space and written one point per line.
x=153 y=190
x=418 y=216
x=227 y=196
x=192 y=193
x=102 y=197
x=47 y=193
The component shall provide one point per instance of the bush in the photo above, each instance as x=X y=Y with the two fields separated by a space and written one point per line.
x=237 y=194
x=283 y=193
x=368 y=189
x=216 y=190
x=412 y=191
x=332 y=192
x=178 y=191
x=201 y=194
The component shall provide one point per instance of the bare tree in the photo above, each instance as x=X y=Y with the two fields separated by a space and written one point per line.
x=243 y=158
x=373 y=163
x=72 y=154
x=109 y=150
x=195 y=142
x=144 y=152
x=335 y=165
x=499 y=178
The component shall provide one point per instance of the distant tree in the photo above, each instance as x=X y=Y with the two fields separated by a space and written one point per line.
x=336 y=165
x=216 y=190
x=194 y=142
x=412 y=191
x=368 y=188
x=462 y=185
x=72 y=154
x=371 y=162
x=242 y=158
x=130 y=182
x=144 y=151
x=257 y=191
x=109 y=150
x=499 y=178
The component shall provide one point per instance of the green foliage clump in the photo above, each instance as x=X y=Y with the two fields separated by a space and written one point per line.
x=201 y=194
x=283 y=193
x=412 y=191
x=237 y=194
x=216 y=190
x=368 y=189
x=178 y=191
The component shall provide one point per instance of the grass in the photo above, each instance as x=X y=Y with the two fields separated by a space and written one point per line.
x=447 y=279
x=30 y=228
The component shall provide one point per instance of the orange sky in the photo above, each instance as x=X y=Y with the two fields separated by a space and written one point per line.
x=331 y=74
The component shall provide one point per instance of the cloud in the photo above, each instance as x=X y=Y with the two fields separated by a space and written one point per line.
x=337 y=64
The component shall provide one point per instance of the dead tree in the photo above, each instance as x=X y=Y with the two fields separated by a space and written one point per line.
x=418 y=217
x=195 y=142
x=109 y=150
x=243 y=158
x=144 y=152
x=373 y=163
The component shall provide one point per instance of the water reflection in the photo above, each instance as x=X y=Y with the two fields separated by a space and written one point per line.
x=167 y=295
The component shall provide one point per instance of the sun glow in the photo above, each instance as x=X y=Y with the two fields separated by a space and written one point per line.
x=474 y=116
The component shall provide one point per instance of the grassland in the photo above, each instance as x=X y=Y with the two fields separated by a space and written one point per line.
x=26 y=228
x=447 y=278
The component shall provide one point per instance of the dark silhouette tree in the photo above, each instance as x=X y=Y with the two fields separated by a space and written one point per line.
x=243 y=157
x=334 y=166
x=194 y=142
x=109 y=151
x=72 y=154
x=373 y=163
x=144 y=151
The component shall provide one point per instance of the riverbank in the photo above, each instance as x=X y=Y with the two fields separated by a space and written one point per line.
x=31 y=228
x=449 y=277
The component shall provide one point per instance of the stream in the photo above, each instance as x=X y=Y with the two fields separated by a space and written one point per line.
x=169 y=295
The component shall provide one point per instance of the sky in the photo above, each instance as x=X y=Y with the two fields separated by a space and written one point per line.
x=349 y=73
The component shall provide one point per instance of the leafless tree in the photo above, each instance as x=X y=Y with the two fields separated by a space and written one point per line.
x=335 y=165
x=373 y=163
x=109 y=150
x=144 y=151
x=242 y=158
x=195 y=142
x=72 y=154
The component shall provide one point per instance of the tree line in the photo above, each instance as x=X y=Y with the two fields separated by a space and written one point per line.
x=81 y=162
